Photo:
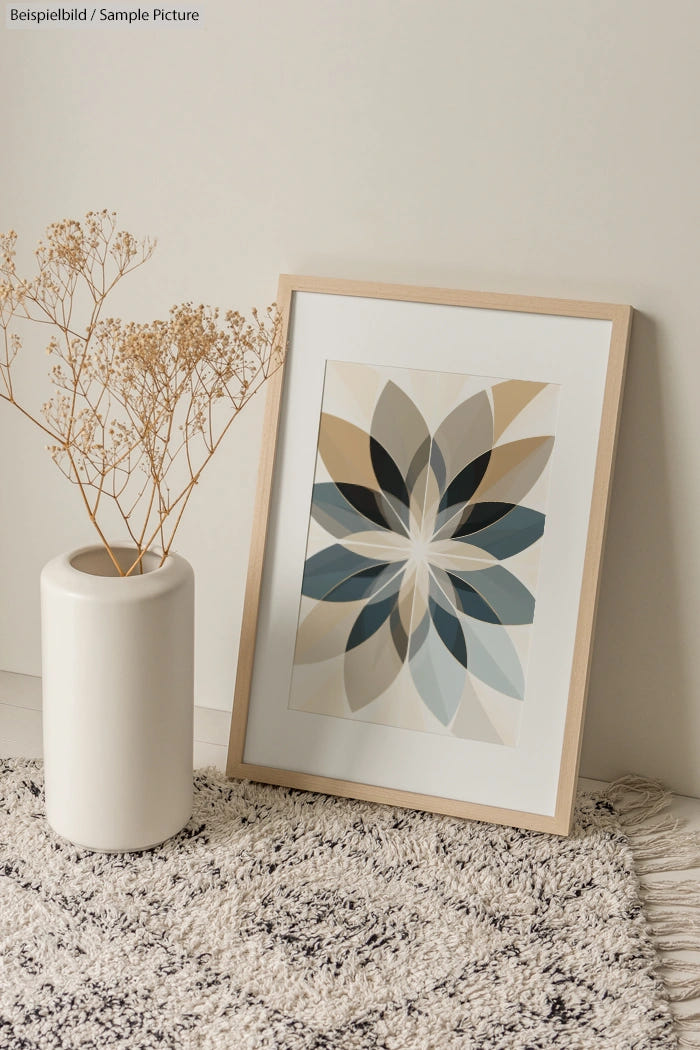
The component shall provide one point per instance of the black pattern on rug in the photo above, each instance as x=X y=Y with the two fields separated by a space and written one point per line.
x=287 y=920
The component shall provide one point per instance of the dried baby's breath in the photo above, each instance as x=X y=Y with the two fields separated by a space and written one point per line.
x=138 y=410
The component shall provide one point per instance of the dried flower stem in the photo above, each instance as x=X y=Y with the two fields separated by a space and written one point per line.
x=138 y=410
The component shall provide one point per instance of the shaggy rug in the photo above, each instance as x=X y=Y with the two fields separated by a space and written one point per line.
x=279 y=919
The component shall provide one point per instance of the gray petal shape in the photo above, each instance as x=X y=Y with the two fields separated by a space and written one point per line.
x=464 y=435
x=398 y=425
x=437 y=676
x=493 y=659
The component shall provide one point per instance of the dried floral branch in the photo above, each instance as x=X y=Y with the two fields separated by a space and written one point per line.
x=138 y=410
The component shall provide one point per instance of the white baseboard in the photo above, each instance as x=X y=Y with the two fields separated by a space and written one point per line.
x=23 y=692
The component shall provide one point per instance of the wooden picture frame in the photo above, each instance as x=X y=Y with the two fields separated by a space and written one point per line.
x=426 y=549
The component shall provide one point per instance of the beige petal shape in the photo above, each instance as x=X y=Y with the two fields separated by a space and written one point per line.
x=422 y=583
x=453 y=554
x=370 y=668
x=350 y=384
x=324 y=632
x=402 y=707
x=344 y=448
x=405 y=603
x=386 y=546
x=503 y=713
x=472 y=721
x=319 y=690
x=431 y=502
x=513 y=469
x=417 y=504
x=509 y=399
x=443 y=590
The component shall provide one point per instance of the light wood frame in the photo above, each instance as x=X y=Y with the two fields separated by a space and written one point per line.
x=620 y=317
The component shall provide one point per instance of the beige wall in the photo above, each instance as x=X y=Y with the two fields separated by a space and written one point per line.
x=546 y=148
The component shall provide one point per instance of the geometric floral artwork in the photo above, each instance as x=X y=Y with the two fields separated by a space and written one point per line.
x=420 y=600
x=426 y=524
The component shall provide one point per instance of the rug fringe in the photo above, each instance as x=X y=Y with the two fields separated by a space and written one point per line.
x=669 y=892
x=681 y=978
x=687 y=1040
x=659 y=844
x=638 y=798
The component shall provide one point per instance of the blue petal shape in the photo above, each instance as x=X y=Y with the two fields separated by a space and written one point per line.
x=339 y=575
x=437 y=676
x=449 y=631
x=507 y=600
x=372 y=617
x=418 y=636
x=519 y=529
x=470 y=601
x=336 y=514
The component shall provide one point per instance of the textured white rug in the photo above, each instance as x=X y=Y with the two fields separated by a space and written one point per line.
x=279 y=919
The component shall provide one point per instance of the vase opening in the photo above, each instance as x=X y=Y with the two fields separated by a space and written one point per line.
x=96 y=561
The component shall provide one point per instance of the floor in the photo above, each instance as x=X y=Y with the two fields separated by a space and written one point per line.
x=20 y=736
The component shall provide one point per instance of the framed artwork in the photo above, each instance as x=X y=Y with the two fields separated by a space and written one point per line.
x=427 y=547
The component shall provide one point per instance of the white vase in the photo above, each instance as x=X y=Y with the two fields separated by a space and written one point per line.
x=117 y=668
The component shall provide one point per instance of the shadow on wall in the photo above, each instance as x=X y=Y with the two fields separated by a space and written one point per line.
x=638 y=718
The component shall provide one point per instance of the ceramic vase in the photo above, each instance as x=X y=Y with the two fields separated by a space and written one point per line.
x=117 y=684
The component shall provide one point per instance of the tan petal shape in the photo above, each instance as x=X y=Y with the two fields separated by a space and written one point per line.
x=344 y=448
x=324 y=632
x=513 y=469
x=509 y=399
